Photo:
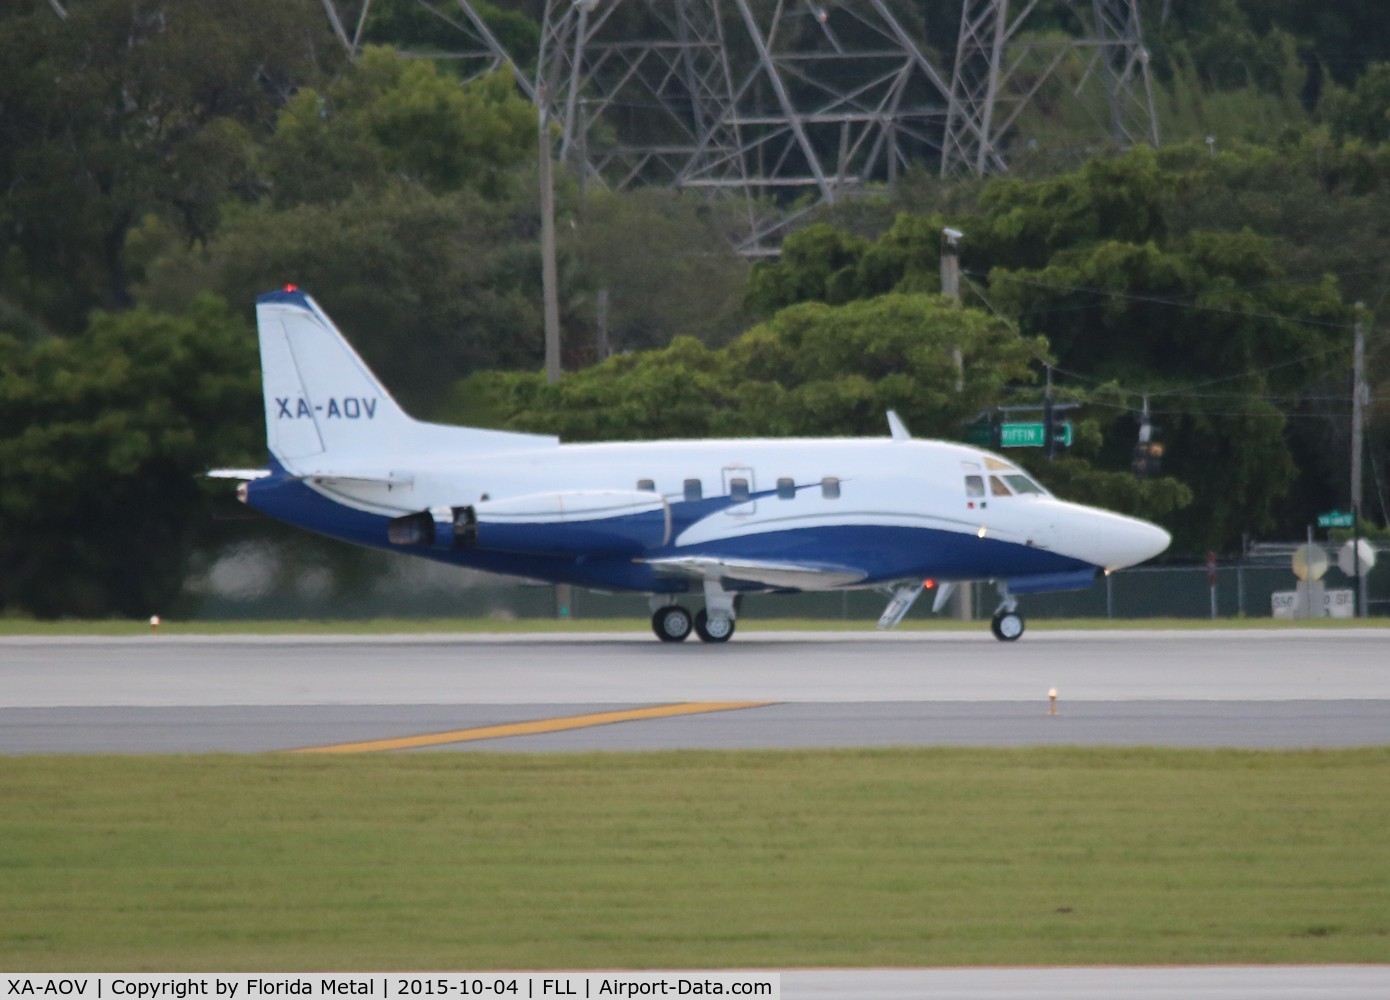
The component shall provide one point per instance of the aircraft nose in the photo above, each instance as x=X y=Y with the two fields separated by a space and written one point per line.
x=1106 y=539
x=1134 y=541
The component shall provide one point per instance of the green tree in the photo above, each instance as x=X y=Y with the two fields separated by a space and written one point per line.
x=817 y=264
x=666 y=264
x=410 y=25
x=1363 y=111
x=1209 y=332
x=426 y=286
x=124 y=109
x=812 y=369
x=390 y=118
x=106 y=434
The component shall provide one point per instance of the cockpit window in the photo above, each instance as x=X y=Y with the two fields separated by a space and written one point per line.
x=1022 y=484
x=997 y=488
x=974 y=486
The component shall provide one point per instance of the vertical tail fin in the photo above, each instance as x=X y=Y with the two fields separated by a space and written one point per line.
x=319 y=395
x=324 y=407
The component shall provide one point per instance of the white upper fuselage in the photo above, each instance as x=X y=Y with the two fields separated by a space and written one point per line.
x=835 y=484
x=656 y=516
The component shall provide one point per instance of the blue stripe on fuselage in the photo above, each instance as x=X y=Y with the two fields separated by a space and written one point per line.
x=886 y=553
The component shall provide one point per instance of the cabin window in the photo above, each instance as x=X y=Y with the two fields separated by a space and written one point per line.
x=646 y=484
x=997 y=487
x=830 y=488
x=974 y=486
x=738 y=489
x=693 y=490
x=786 y=489
x=1022 y=484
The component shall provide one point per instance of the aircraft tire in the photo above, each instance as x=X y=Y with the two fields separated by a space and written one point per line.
x=713 y=629
x=1007 y=626
x=671 y=623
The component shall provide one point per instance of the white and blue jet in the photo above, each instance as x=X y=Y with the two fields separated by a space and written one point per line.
x=674 y=520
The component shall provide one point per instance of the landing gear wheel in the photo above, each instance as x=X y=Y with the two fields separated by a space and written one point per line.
x=1007 y=626
x=671 y=623
x=713 y=629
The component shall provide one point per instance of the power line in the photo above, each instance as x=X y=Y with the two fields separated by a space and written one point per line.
x=1174 y=303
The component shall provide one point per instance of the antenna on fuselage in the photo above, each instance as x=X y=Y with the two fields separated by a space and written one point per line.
x=897 y=428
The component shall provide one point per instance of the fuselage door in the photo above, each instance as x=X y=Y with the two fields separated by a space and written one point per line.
x=739 y=488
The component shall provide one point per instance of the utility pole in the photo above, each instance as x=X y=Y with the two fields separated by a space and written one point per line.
x=1358 y=402
x=950 y=287
x=549 y=278
x=564 y=592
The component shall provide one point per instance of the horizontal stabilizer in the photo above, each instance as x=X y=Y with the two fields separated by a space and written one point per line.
x=243 y=474
x=782 y=575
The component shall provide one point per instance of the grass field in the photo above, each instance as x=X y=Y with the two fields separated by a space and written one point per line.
x=694 y=859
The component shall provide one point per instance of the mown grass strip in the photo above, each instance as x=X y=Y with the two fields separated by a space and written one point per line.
x=694 y=859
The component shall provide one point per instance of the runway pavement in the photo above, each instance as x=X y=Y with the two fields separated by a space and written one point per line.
x=197 y=694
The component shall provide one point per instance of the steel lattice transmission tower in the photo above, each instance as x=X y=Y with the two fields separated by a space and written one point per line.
x=1001 y=69
x=778 y=106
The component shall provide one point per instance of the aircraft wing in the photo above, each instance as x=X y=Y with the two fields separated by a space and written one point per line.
x=788 y=575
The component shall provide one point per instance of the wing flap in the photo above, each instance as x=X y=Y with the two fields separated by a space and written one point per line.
x=330 y=479
x=782 y=575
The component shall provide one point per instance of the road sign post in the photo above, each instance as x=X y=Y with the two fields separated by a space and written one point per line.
x=1211 y=581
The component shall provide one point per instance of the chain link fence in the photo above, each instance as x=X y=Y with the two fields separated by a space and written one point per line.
x=250 y=586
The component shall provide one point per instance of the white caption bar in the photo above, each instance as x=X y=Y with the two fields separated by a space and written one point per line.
x=391 y=986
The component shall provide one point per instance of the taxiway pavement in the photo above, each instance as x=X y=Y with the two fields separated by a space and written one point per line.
x=172 y=693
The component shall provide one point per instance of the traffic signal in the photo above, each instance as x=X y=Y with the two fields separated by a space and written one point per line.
x=1148 y=459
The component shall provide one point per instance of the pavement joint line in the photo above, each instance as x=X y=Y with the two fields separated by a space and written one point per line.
x=535 y=727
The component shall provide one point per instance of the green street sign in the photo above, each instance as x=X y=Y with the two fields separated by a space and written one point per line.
x=1030 y=435
x=981 y=434
x=1335 y=519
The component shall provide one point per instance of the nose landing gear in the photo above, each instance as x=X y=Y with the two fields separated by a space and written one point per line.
x=1007 y=623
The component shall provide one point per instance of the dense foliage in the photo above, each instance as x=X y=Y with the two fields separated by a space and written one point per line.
x=161 y=159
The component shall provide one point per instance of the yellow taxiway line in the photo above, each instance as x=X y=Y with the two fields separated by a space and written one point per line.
x=536 y=726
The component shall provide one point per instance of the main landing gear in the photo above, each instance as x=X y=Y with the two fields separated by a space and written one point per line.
x=673 y=623
x=712 y=623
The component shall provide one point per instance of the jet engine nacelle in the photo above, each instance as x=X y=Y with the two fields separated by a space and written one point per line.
x=575 y=522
